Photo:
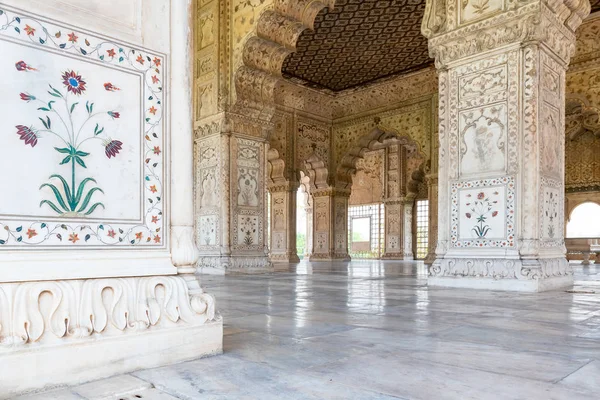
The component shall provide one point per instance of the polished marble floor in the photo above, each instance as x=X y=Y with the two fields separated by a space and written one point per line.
x=373 y=330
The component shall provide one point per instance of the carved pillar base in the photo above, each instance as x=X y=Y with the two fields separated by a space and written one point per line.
x=72 y=331
x=393 y=256
x=285 y=258
x=217 y=265
x=501 y=274
x=329 y=257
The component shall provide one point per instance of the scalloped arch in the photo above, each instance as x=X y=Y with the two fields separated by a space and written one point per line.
x=377 y=138
x=263 y=54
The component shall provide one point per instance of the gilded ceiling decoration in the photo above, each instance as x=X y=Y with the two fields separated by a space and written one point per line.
x=358 y=42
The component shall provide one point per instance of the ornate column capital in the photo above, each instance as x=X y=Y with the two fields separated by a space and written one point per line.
x=469 y=27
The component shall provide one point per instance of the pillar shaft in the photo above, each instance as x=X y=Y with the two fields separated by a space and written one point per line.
x=330 y=225
x=184 y=252
x=283 y=224
x=501 y=159
x=231 y=196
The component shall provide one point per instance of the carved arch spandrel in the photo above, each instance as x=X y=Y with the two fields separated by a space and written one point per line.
x=377 y=138
x=263 y=54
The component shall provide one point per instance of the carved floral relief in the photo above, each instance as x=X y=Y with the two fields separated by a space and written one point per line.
x=482 y=213
x=483 y=140
x=87 y=111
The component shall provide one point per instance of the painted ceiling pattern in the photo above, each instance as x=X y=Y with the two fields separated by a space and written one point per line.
x=358 y=42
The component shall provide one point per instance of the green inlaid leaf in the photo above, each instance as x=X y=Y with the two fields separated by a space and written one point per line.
x=57 y=194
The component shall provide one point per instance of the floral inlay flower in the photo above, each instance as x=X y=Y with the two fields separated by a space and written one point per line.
x=482 y=208
x=26 y=134
x=109 y=87
x=156 y=150
x=31 y=233
x=157 y=61
x=112 y=147
x=154 y=219
x=140 y=59
x=72 y=197
x=111 y=52
x=155 y=79
x=27 y=97
x=111 y=233
x=73 y=82
x=30 y=31
x=73 y=238
x=153 y=189
x=152 y=110
x=138 y=235
x=22 y=66
x=156 y=239
x=72 y=37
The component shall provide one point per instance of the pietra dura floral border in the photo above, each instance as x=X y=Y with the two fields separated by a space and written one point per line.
x=509 y=206
x=70 y=228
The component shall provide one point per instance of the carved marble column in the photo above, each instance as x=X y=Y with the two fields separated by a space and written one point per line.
x=395 y=187
x=309 y=232
x=231 y=195
x=184 y=252
x=283 y=223
x=432 y=191
x=393 y=230
x=501 y=126
x=330 y=225
x=407 y=212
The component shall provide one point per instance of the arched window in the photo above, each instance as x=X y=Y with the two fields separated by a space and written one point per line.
x=584 y=221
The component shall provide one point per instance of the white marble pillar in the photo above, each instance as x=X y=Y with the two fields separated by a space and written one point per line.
x=501 y=130
x=432 y=192
x=283 y=224
x=407 y=208
x=330 y=225
x=183 y=247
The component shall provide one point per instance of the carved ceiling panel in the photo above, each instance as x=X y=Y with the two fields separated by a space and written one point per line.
x=358 y=42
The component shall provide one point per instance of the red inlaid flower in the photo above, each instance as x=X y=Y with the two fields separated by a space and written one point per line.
x=111 y=233
x=156 y=239
x=30 y=31
x=152 y=110
x=109 y=87
x=138 y=235
x=494 y=213
x=22 y=66
x=72 y=37
x=111 y=52
x=73 y=238
x=73 y=82
x=154 y=219
x=153 y=189
x=31 y=233
x=112 y=148
x=114 y=114
x=154 y=79
x=480 y=196
x=27 y=97
x=157 y=61
x=156 y=150
x=29 y=136
x=140 y=59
